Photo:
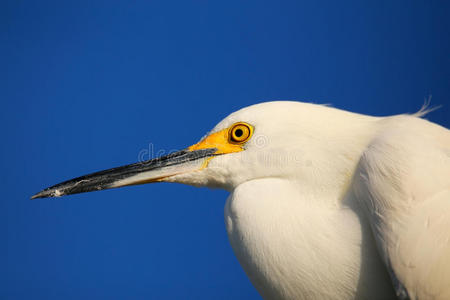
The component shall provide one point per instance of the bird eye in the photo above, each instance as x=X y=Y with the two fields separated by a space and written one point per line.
x=240 y=133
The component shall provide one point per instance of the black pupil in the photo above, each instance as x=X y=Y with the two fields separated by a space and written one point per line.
x=238 y=132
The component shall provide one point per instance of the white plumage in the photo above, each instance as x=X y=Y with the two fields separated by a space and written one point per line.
x=337 y=205
x=324 y=203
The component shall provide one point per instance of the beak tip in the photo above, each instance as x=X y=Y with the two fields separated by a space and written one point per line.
x=47 y=194
x=35 y=196
x=41 y=194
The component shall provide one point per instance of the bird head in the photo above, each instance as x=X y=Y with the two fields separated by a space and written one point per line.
x=279 y=139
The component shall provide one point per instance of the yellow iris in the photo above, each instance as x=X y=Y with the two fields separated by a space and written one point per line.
x=239 y=133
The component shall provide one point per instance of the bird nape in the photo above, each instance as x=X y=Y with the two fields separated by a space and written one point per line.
x=324 y=203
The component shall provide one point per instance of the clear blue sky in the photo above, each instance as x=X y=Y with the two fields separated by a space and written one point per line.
x=87 y=85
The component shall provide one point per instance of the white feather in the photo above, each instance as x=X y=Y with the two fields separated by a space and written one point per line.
x=328 y=204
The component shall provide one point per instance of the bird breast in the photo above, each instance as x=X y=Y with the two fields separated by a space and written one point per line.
x=291 y=248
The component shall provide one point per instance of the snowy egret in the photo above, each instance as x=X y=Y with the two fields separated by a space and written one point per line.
x=324 y=203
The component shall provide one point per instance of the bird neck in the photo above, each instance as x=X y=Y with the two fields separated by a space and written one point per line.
x=332 y=156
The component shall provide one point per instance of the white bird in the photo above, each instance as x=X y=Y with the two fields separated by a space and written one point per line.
x=324 y=203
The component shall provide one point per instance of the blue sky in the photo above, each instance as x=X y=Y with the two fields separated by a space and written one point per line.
x=88 y=85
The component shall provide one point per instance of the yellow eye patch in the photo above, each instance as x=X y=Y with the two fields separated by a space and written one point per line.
x=228 y=140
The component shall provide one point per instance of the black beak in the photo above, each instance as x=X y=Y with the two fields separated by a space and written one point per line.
x=153 y=170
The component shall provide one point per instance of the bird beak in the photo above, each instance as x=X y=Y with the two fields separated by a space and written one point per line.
x=194 y=158
x=153 y=170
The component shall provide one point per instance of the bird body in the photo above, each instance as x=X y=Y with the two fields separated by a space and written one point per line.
x=403 y=184
x=325 y=248
x=291 y=249
x=324 y=203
